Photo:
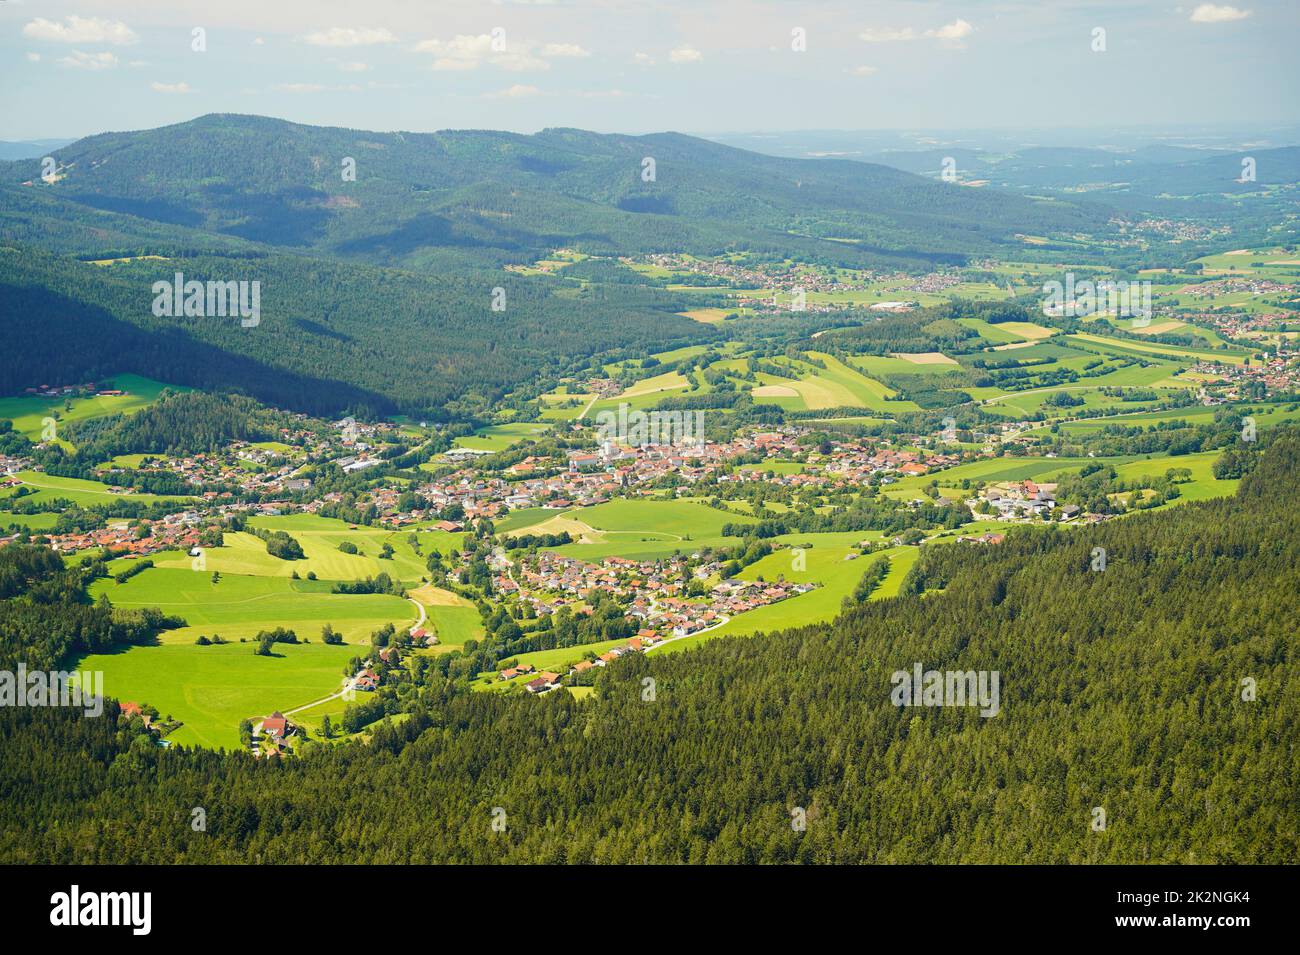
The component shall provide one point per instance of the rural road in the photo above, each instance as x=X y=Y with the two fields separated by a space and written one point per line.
x=420 y=607
x=347 y=684
x=594 y=399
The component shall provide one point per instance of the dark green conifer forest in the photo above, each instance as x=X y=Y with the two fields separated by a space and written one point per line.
x=1161 y=690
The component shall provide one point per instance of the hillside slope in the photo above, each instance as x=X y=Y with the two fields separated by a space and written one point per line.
x=1120 y=690
x=510 y=197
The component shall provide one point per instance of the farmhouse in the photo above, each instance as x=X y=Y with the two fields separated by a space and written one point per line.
x=277 y=726
x=544 y=682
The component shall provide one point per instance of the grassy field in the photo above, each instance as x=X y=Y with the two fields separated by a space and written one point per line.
x=644 y=529
x=498 y=437
x=453 y=618
x=243 y=553
x=810 y=388
x=32 y=522
x=210 y=689
x=1203 y=485
x=865 y=391
x=50 y=487
x=877 y=365
x=517 y=521
x=1235 y=356
x=239 y=606
x=990 y=469
x=27 y=412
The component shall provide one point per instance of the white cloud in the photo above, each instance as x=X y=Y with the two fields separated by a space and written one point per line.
x=170 y=87
x=957 y=30
x=258 y=41
x=465 y=52
x=887 y=35
x=685 y=54
x=348 y=36
x=518 y=91
x=355 y=67
x=75 y=29
x=564 y=49
x=299 y=87
x=33 y=58
x=950 y=34
x=89 y=61
x=1212 y=13
x=864 y=70
x=643 y=59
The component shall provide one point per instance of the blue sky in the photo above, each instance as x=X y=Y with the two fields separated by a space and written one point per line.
x=75 y=68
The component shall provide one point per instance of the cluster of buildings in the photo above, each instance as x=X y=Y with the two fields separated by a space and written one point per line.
x=1172 y=229
x=654 y=591
x=1236 y=285
x=273 y=736
x=87 y=390
x=541 y=682
x=1279 y=374
x=1022 y=500
x=174 y=532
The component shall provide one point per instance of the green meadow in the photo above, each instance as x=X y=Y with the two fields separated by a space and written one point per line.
x=451 y=617
x=320 y=537
x=49 y=487
x=239 y=606
x=991 y=470
x=498 y=437
x=211 y=689
x=1234 y=356
x=646 y=528
x=1203 y=485
x=556 y=661
x=28 y=412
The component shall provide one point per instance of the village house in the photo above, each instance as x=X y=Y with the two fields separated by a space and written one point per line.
x=542 y=683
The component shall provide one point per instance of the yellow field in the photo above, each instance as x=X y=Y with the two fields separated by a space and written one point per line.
x=926 y=358
x=560 y=523
x=820 y=393
x=709 y=316
x=672 y=381
x=129 y=258
x=1028 y=330
x=432 y=596
x=1156 y=328
x=774 y=391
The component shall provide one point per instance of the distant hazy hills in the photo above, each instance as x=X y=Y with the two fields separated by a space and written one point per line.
x=1143 y=173
x=505 y=197
x=376 y=288
x=31 y=149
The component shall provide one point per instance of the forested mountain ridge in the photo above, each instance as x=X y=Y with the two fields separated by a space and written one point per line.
x=1122 y=689
x=511 y=197
x=333 y=336
x=379 y=290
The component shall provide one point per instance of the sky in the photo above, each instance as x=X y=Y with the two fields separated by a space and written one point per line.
x=69 y=69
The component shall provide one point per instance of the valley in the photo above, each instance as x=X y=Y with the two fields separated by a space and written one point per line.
x=532 y=548
x=613 y=501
